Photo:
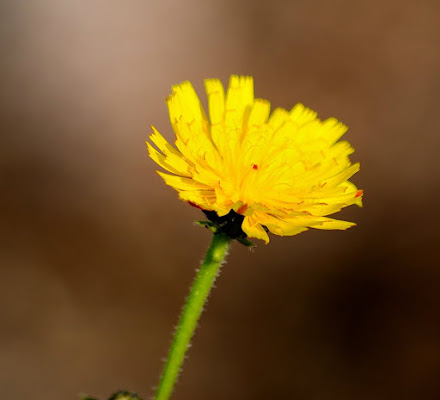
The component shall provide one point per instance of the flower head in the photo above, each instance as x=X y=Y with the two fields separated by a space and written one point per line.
x=283 y=172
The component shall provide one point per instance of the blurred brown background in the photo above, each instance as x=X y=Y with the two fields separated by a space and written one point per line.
x=97 y=253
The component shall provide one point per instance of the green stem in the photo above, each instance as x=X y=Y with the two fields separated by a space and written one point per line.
x=191 y=313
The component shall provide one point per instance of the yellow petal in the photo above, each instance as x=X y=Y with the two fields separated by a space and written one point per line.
x=187 y=116
x=277 y=119
x=253 y=229
x=239 y=99
x=281 y=226
x=285 y=172
x=184 y=104
x=329 y=223
x=341 y=176
x=216 y=100
x=332 y=130
x=182 y=183
x=301 y=115
x=259 y=113
x=162 y=161
x=173 y=157
x=162 y=144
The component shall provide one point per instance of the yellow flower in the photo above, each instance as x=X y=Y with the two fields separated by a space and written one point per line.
x=283 y=172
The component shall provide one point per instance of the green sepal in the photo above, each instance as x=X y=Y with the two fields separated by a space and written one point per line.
x=245 y=241
x=229 y=224
x=208 y=225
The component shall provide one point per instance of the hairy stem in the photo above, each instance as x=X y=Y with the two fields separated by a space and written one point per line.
x=191 y=313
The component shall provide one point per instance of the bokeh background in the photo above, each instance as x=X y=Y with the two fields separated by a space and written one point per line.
x=97 y=253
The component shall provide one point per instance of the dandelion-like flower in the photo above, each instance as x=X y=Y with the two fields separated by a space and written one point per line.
x=283 y=173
